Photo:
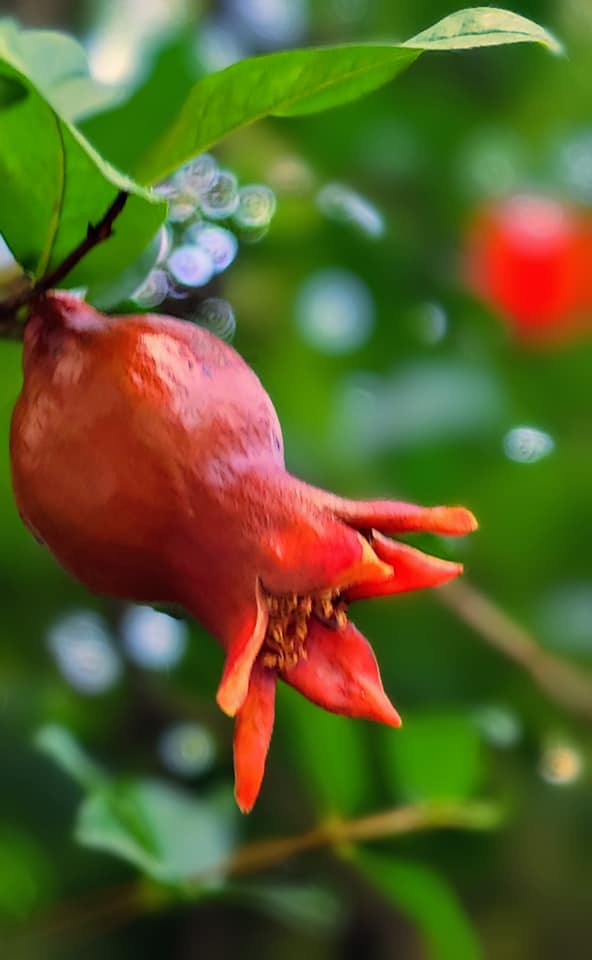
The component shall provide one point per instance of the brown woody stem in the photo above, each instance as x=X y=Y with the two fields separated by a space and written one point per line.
x=375 y=826
x=10 y=326
x=561 y=681
x=115 y=907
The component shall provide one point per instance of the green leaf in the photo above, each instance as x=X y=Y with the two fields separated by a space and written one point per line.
x=60 y=745
x=482 y=27
x=11 y=91
x=314 y=908
x=165 y=831
x=437 y=756
x=57 y=64
x=306 y=81
x=427 y=900
x=330 y=752
x=113 y=292
x=53 y=184
x=280 y=84
x=27 y=875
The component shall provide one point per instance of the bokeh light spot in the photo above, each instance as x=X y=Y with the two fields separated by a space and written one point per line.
x=82 y=649
x=335 y=311
x=342 y=204
x=564 y=619
x=220 y=244
x=561 y=765
x=198 y=176
x=274 y=23
x=153 y=291
x=420 y=403
x=498 y=725
x=491 y=164
x=256 y=206
x=153 y=639
x=187 y=749
x=221 y=198
x=217 y=315
x=190 y=265
x=430 y=322
x=527 y=444
x=574 y=166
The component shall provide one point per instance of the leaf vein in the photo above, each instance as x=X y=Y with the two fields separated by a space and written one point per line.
x=54 y=224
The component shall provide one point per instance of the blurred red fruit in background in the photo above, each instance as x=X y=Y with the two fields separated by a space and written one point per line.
x=530 y=257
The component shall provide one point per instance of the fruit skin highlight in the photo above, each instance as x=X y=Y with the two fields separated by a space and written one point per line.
x=149 y=459
x=530 y=257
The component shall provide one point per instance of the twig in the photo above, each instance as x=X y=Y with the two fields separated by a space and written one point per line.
x=113 y=907
x=335 y=832
x=561 y=681
x=95 y=234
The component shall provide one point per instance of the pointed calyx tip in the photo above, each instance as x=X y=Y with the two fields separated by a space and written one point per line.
x=226 y=703
x=245 y=806
x=472 y=522
x=454 y=521
x=391 y=717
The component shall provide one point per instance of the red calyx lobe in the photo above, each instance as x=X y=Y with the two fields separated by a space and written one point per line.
x=148 y=457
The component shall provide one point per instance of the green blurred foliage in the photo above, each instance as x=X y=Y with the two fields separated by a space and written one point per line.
x=425 y=898
x=437 y=759
x=419 y=409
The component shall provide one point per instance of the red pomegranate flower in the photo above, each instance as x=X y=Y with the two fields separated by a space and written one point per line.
x=148 y=457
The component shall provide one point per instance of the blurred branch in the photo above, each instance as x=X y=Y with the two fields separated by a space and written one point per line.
x=336 y=832
x=560 y=680
x=112 y=908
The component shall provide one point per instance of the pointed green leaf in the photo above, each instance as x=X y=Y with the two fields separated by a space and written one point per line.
x=306 y=81
x=482 y=27
x=166 y=832
x=62 y=747
x=279 y=84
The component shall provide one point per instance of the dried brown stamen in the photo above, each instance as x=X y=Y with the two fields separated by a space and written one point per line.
x=287 y=629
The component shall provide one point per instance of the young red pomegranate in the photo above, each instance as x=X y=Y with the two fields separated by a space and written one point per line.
x=530 y=256
x=148 y=457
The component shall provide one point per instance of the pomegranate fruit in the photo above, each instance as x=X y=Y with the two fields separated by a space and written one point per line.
x=147 y=456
